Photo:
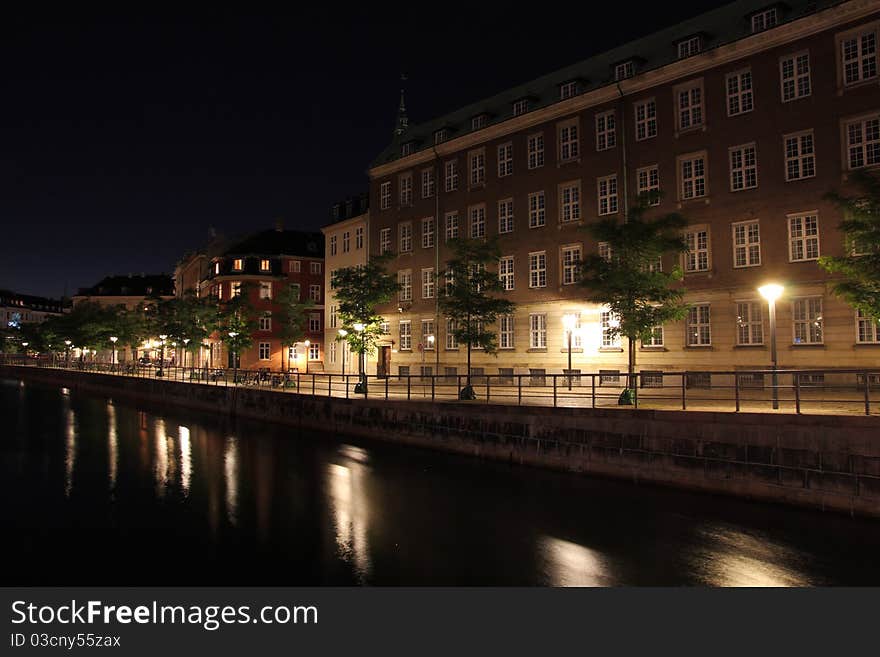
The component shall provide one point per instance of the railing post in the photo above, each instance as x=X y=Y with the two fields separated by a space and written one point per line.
x=329 y=385
x=683 y=388
x=487 y=388
x=346 y=385
x=387 y=377
x=736 y=389
x=593 y=386
x=797 y=394
x=635 y=382
x=867 y=394
x=458 y=384
x=554 y=390
x=298 y=389
x=408 y=387
x=519 y=389
x=433 y=381
x=313 y=385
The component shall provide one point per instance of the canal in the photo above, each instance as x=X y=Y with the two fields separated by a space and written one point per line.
x=103 y=492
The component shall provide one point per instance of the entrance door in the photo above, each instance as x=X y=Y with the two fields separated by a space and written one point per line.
x=233 y=363
x=383 y=366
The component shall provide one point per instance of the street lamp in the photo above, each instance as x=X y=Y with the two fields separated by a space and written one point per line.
x=162 y=339
x=307 y=343
x=771 y=292
x=185 y=343
x=361 y=386
x=569 y=321
x=67 y=353
x=113 y=339
x=25 y=345
x=232 y=335
x=342 y=334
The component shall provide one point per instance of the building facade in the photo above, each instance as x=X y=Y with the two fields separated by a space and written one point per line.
x=129 y=291
x=18 y=309
x=743 y=118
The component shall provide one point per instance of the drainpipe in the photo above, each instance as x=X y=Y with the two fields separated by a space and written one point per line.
x=623 y=152
x=437 y=169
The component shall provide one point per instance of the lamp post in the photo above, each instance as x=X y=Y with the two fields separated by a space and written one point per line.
x=569 y=321
x=771 y=292
x=308 y=344
x=361 y=386
x=162 y=339
x=232 y=335
x=113 y=339
x=67 y=353
x=25 y=345
x=342 y=334
x=185 y=343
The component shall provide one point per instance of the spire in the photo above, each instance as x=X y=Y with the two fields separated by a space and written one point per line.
x=402 y=120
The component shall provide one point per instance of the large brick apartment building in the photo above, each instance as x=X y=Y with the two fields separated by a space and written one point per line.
x=744 y=117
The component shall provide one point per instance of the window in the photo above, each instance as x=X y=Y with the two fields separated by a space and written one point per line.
x=656 y=339
x=690 y=105
x=264 y=265
x=359 y=237
x=537 y=216
x=265 y=352
x=538 y=269
x=404 y=233
x=807 y=319
x=604 y=249
x=346 y=242
x=743 y=167
x=236 y=288
x=406 y=190
x=315 y=267
x=266 y=322
x=569 y=147
x=609 y=324
x=451 y=340
x=568 y=90
x=384 y=327
x=505 y=332
x=863 y=142
x=646 y=119
x=867 y=329
x=794 y=76
x=699 y=332
x=314 y=323
x=451 y=225
x=505 y=160
x=607 y=192
x=428 y=336
x=314 y=351
x=427 y=183
x=333 y=245
x=859 y=57
x=428 y=283
x=315 y=293
x=451 y=175
x=478 y=167
x=478 y=122
x=571 y=261
x=404 y=278
x=385 y=195
x=505 y=216
x=764 y=20
x=332 y=353
x=477 y=221
x=407 y=148
x=689 y=47
x=505 y=272
x=624 y=70
x=746 y=244
x=740 y=98
x=537 y=331
x=440 y=136
x=570 y=202
x=296 y=266
x=216 y=267
x=803 y=237
x=427 y=232
x=405 y=335
x=606 y=131
x=697 y=256
x=535 y=145
x=295 y=291
x=521 y=106
x=265 y=290
x=237 y=264
x=384 y=240
x=800 y=156
x=648 y=179
x=334 y=316
x=692 y=172
x=749 y=325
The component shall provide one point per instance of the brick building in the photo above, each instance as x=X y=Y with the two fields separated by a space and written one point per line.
x=744 y=117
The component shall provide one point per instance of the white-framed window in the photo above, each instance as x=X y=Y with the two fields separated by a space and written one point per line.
x=697 y=258
x=624 y=70
x=807 y=320
x=404 y=279
x=569 y=145
x=440 y=135
x=333 y=245
x=537 y=331
x=690 y=47
x=800 y=156
x=657 y=337
x=538 y=269
x=359 y=237
x=803 y=237
x=535 y=148
x=537 y=210
x=428 y=232
x=648 y=180
x=385 y=195
x=428 y=336
x=216 y=267
x=521 y=106
x=867 y=329
x=450 y=175
x=236 y=288
x=740 y=95
x=764 y=20
x=237 y=264
x=477 y=221
x=609 y=340
x=407 y=148
x=689 y=105
x=606 y=131
x=314 y=351
x=505 y=332
x=332 y=353
x=863 y=142
x=646 y=119
x=315 y=267
x=505 y=160
x=314 y=323
x=406 y=189
x=334 y=316
x=604 y=251
x=296 y=266
x=265 y=290
x=292 y=354
x=570 y=201
x=346 y=242
x=428 y=283
x=505 y=272
x=743 y=167
x=266 y=321
x=264 y=264
x=477 y=161
x=265 y=351
x=385 y=327
x=505 y=216
x=295 y=291
x=746 y=244
x=606 y=188
x=404 y=234
x=315 y=293
x=692 y=176
x=451 y=225
x=478 y=122
x=571 y=262
x=451 y=340
x=427 y=183
x=699 y=329
x=568 y=90
x=749 y=323
x=384 y=240
x=794 y=76
x=859 y=56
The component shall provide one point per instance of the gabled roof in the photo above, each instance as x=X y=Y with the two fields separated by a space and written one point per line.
x=275 y=242
x=131 y=286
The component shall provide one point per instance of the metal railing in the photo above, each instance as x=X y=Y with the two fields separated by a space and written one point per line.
x=828 y=391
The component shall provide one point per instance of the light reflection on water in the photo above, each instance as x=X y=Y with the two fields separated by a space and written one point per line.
x=570 y=564
x=230 y=471
x=185 y=458
x=112 y=444
x=350 y=502
x=69 y=444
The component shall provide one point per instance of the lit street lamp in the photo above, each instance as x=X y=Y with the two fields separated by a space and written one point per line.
x=361 y=386
x=307 y=343
x=771 y=292
x=67 y=353
x=342 y=334
x=185 y=343
x=161 y=371
x=113 y=339
x=569 y=322
x=232 y=335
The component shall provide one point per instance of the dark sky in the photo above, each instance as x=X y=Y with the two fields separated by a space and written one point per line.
x=126 y=136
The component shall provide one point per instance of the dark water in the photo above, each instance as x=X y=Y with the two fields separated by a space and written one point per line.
x=103 y=492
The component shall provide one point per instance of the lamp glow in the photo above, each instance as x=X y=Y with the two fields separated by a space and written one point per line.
x=771 y=291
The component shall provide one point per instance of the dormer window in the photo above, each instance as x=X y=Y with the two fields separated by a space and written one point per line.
x=624 y=70
x=264 y=264
x=568 y=90
x=478 y=122
x=690 y=47
x=764 y=20
x=440 y=136
x=407 y=149
x=521 y=106
x=237 y=264
x=216 y=268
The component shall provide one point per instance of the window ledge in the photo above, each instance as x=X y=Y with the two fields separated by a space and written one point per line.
x=819 y=345
x=610 y=350
x=536 y=350
x=656 y=348
x=749 y=346
x=700 y=347
x=574 y=350
x=862 y=345
x=572 y=160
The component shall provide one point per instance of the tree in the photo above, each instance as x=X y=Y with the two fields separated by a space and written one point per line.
x=236 y=323
x=359 y=291
x=628 y=281
x=860 y=266
x=292 y=317
x=466 y=299
x=187 y=320
x=133 y=326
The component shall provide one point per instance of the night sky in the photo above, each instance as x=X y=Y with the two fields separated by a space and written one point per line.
x=127 y=136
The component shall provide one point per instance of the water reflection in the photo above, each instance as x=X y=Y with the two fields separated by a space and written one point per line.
x=351 y=509
x=70 y=433
x=112 y=444
x=161 y=466
x=185 y=458
x=230 y=472
x=570 y=564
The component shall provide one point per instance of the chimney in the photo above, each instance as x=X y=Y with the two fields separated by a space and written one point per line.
x=279 y=225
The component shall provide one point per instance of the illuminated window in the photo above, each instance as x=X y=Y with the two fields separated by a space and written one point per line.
x=746 y=244
x=607 y=194
x=265 y=351
x=749 y=323
x=800 y=156
x=646 y=119
x=807 y=320
x=237 y=264
x=699 y=328
x=314 y=351
x=265 y=290
x=743 y=167
x=405 y=335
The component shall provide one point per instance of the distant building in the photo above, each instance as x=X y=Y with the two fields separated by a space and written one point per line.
x=128 y=291
x=17 y=309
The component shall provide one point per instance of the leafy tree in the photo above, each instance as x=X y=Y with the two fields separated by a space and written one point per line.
x=187 y=320
x=292 y=316
x=236 y=322
x=859 y=268
x=467 y=299
x=628 y=281
x=133 y=326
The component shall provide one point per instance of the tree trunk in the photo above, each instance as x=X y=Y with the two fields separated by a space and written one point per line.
x=630 y=379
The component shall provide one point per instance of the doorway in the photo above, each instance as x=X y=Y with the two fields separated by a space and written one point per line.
x=383 y=366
